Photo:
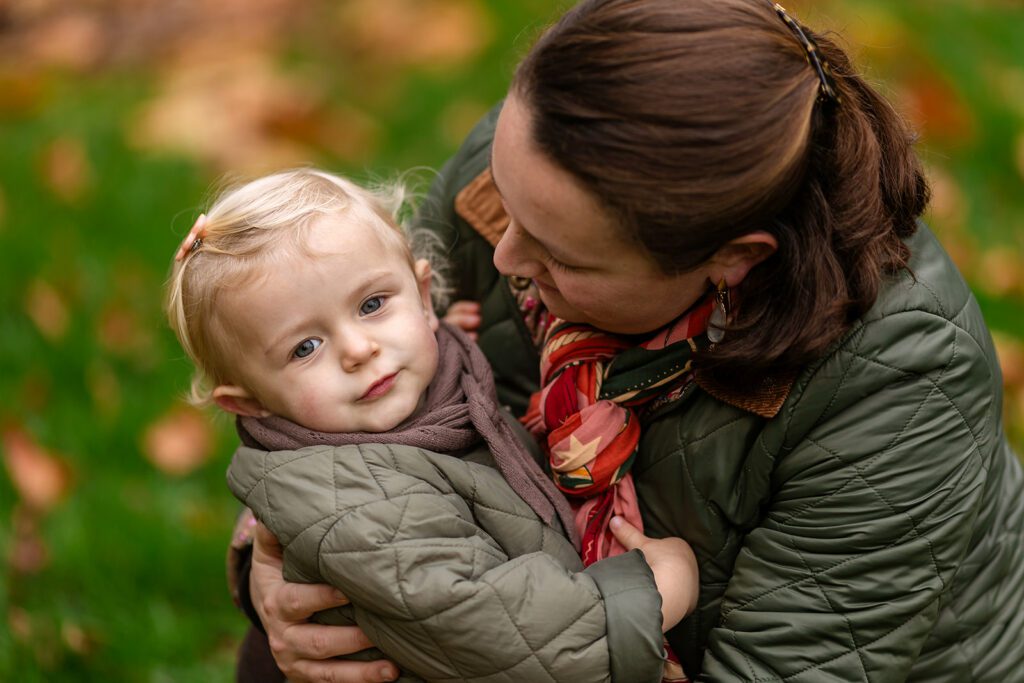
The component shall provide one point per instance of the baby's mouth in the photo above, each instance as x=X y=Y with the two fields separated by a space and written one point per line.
x=379 y=388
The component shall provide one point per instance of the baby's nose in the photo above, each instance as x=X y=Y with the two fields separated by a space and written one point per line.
x=357 y=349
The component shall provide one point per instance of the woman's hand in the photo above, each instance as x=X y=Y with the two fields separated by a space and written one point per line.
x=674 y=566
x=464 y=315
x=300 y=648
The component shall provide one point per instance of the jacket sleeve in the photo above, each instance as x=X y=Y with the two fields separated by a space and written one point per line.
x=875 y=493
x=449 y=572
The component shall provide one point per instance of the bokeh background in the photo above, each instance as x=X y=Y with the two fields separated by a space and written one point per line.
x=119 y=117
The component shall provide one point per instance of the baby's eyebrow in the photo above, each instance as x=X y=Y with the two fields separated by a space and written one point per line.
x=292 y=331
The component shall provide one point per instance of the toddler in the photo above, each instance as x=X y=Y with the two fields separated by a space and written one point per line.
x=374 y=448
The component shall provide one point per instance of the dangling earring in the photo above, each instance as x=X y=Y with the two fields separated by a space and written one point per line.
x=720 y=315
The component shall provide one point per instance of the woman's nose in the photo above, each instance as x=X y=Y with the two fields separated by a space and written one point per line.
x=357 y=348
x=513 y=255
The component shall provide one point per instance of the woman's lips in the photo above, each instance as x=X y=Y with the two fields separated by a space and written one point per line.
x=379 y=388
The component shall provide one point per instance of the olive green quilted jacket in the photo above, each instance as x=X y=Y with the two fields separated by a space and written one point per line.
x=863 y=522
x=449 y=572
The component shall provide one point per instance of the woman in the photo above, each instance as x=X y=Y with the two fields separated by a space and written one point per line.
x=838 y=462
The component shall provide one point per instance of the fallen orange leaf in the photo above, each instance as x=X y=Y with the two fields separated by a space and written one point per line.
x=120 y=331
x=66 y=169
x=1001 y=269
x=47 y=310
x=220 y=113
x=1019 y=418
x=21 y=92
x=20 y=622
x=436 y=34
x=29 y=554
x=937 y=108
x=1011 y=360
x=104 y=387
x=40 y=478
x=948 y=204
x=77 y=638
x=73 y=40
x=179 y=442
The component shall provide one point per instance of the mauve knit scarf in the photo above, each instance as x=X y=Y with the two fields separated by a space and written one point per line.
x=461 y=408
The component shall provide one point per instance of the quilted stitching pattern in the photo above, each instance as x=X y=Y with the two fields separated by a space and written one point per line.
x=856 y=537
x=439 y=555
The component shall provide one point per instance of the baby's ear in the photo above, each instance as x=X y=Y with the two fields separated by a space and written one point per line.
x=423 y=275
x=238 y=401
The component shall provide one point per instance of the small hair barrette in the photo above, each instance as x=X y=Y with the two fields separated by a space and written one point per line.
x=193 y=239
x=814 y=58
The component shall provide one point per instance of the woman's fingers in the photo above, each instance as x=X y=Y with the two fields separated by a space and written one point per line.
x=464 y=306
x=465 y=315
x=342 y=672
x=278 y=599
x=265 y=542
x=304 y=654
x=299 y=647
x=315 y=641
x=298 y=601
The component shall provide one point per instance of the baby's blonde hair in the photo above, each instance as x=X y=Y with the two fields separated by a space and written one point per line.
x=255 y=225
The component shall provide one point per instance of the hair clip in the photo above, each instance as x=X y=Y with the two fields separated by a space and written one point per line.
x=193 y=239
x=821 y=66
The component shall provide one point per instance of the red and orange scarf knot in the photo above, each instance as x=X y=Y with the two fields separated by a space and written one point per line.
x=585 y=415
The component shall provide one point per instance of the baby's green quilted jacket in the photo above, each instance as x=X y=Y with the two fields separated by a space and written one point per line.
x=449 y=572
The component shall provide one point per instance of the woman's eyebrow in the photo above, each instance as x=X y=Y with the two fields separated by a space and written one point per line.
x=490 y=169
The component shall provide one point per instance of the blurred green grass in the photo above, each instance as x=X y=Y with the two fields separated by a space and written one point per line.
x=115 y=571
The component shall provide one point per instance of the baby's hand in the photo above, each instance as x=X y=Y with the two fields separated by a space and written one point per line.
x=674 y=567
x=464 y=315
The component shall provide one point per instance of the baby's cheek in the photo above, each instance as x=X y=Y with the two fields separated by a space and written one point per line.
x=311 y=407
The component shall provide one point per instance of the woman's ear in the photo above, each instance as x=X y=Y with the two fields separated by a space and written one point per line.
x=737 y=257
x=423 y=274
x=238 y=401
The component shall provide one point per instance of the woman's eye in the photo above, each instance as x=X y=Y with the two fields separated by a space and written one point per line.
x=306 y=347
x=371 y=305
x=558 y=265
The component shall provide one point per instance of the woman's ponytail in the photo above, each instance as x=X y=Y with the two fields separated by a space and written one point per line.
x=696 y=123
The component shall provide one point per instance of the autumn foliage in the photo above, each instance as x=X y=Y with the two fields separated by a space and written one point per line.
x=117 y=119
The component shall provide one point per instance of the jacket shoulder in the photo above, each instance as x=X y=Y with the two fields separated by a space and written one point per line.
x=931 y=283
x=925 y=329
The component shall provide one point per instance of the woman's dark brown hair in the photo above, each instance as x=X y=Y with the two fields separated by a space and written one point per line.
x=699 y=121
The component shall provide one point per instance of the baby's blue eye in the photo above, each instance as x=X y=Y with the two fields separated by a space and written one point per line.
x=371 y=305
x=306 y=347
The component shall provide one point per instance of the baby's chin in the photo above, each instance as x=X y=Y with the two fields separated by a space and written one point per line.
x=377 y=423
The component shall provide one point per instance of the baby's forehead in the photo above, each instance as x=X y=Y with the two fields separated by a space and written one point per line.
x=330 y=234
x=349 y=250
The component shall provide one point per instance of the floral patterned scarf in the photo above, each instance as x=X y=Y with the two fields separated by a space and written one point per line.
x=586 y=413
